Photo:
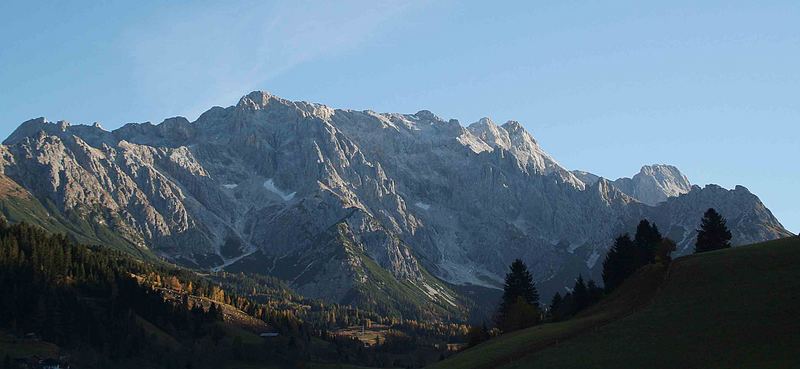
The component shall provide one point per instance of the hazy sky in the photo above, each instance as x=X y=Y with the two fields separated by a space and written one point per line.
x=605 y=86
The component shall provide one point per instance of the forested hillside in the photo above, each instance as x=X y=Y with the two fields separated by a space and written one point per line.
x=102 y=307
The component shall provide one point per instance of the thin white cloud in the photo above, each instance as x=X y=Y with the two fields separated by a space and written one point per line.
x=197 y=57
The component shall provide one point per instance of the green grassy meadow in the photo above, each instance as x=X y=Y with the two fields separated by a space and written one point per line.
x=735 y=308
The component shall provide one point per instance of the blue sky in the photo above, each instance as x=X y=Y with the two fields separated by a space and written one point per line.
x=605 y=86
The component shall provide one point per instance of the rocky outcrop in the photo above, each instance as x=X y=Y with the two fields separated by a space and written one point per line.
x=652 y=185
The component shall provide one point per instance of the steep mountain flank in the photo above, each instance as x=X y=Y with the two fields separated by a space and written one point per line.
x=348 y=205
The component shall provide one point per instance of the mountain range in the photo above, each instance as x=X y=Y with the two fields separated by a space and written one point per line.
x=398 y=212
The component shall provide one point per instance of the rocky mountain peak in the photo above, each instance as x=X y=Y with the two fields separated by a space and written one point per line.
x=427 y=115
x=490 y=133
x=655 y=183
x=486 y=121
x=255 y=100
x=664 y=172
x=514 y=127
x=520 y=137
x=33 y=128
x=28 y=129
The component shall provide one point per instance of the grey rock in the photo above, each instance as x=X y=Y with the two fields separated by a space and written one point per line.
x=277 y=184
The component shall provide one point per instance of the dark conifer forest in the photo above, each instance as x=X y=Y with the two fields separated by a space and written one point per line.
x=104 y=309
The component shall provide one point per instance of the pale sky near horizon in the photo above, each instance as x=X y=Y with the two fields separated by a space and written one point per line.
x=712 y=87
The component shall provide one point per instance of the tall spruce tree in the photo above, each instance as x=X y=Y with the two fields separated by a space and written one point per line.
x=581 y=294
x=713 y=233
x=620 y=262
x=519 y=290
x=646 y=239
x=519 y=283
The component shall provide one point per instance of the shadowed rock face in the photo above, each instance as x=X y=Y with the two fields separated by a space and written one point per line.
x=317 y=195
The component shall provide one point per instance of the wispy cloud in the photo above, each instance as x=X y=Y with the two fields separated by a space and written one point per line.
x=191 y=58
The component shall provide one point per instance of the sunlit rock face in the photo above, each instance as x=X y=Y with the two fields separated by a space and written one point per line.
x=654 y=184
x=303 y=191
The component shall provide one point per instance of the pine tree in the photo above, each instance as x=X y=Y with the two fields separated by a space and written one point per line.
x=519 y=290
x=519 y=283
x=581 y=294
x=713 y=233
x=647 y=239
x=619 y=263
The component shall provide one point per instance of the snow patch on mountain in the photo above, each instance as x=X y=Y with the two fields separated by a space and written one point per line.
x=422 y=205
x=269 y=184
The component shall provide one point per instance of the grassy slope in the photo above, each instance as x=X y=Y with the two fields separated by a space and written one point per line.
x=631 y=296
x=737 y=308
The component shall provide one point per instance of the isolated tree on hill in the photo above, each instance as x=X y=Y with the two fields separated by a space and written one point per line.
x=646 y=239
x=619 y=262
x=713 y=233
x=519 y=290
x=519 y=283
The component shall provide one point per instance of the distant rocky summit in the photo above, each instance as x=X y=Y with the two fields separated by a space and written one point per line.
x=349 y=205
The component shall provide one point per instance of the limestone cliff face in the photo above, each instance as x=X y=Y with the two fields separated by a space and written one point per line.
x=304 y=191
x=654 y=184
